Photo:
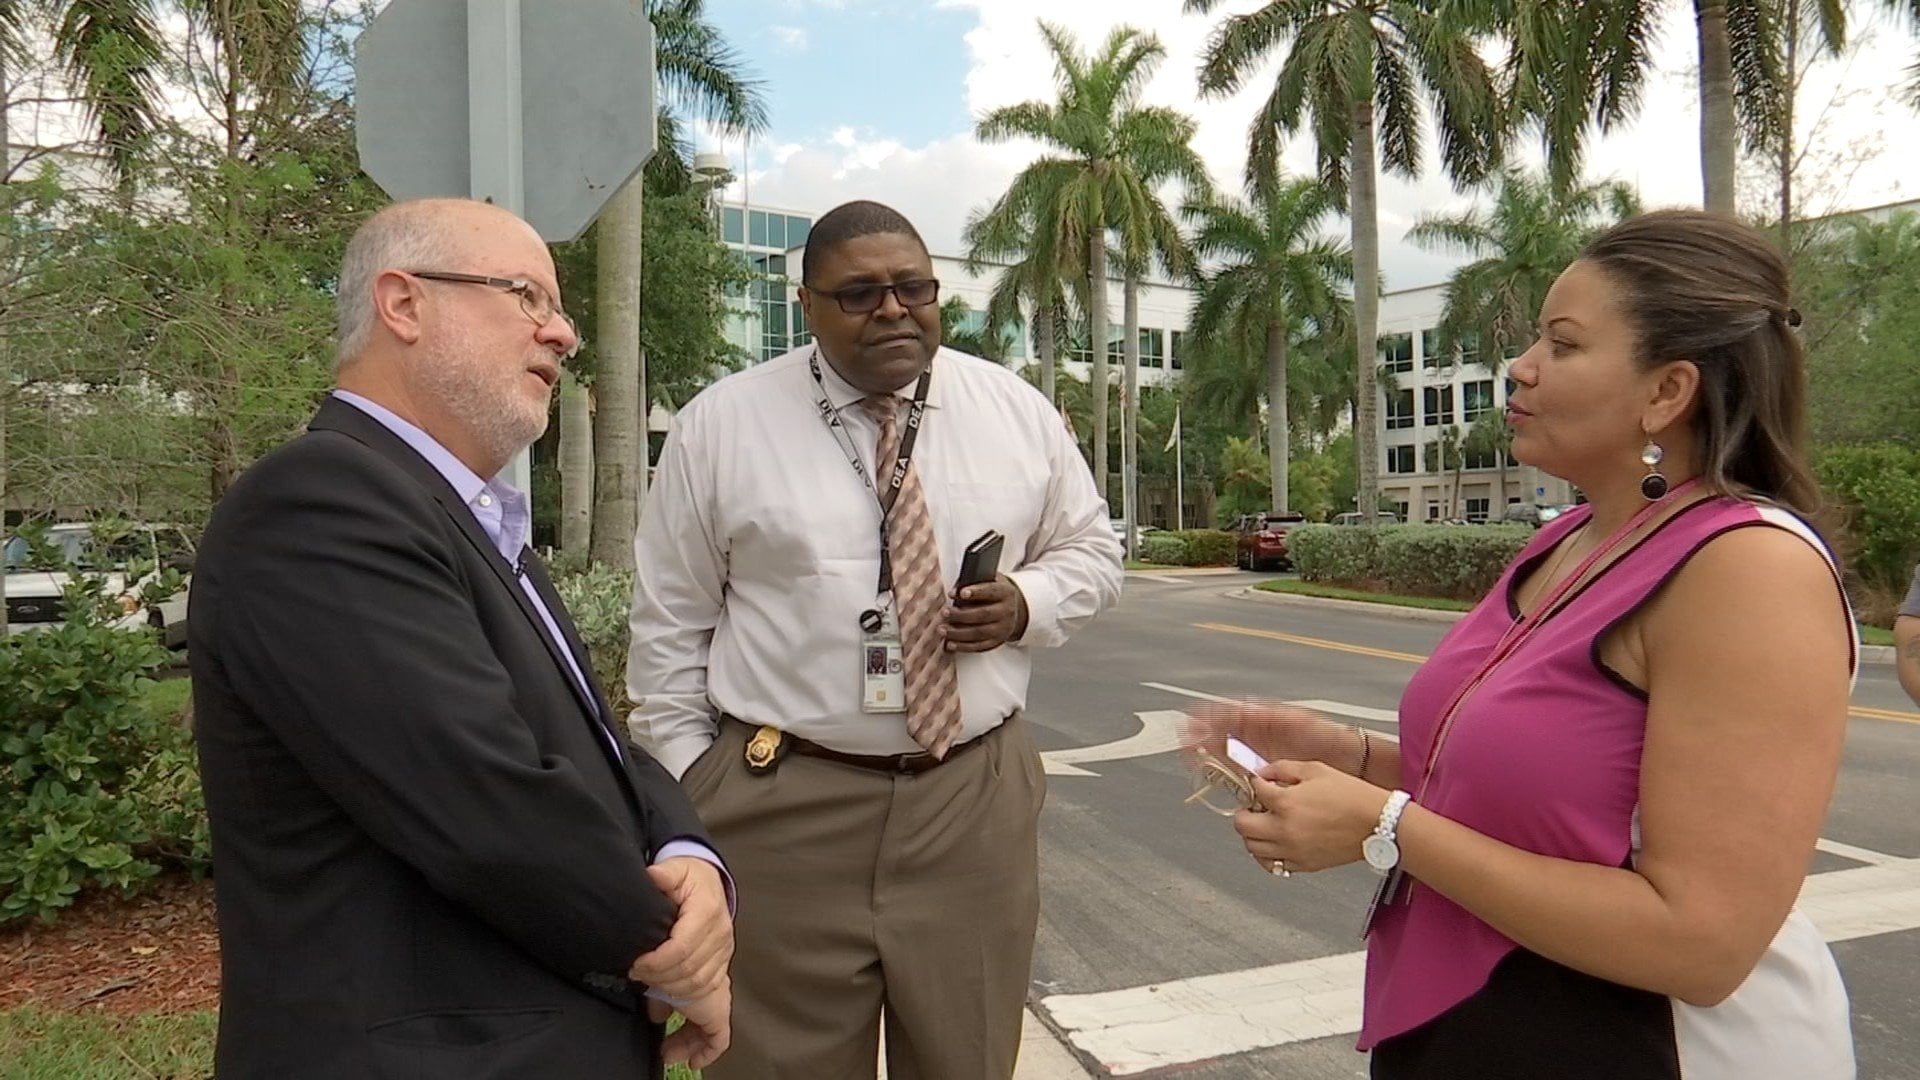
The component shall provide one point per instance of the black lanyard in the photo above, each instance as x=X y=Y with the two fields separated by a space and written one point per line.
x=902 y=458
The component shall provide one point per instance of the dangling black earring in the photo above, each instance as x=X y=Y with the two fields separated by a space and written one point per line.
x=1653 y=485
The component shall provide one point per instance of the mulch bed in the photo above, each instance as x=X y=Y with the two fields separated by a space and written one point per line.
x=156 y=953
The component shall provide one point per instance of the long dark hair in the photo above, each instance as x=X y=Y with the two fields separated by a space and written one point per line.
x=1710 y=289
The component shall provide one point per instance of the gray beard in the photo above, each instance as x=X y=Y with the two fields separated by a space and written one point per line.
x=498 y=419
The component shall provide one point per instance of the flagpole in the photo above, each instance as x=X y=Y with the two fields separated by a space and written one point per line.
x=1179 y=476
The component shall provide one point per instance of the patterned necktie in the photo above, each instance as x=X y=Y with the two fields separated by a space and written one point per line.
x=919 y=593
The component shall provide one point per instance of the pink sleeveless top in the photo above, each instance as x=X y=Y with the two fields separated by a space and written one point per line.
x=1545 y=755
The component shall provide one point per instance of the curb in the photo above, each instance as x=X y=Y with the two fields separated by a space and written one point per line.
x=1362 y=606
x=1869 y=654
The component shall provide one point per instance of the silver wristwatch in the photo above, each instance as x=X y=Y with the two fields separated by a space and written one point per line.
x=1381 y=850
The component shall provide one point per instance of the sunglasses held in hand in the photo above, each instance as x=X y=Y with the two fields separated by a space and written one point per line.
x=1231 y=779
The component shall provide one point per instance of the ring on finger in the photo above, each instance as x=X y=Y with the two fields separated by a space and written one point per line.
x=1279 y=869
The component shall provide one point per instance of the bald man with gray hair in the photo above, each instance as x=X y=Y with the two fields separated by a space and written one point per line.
x=433 y=856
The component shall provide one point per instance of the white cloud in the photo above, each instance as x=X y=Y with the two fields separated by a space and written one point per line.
x=939 y=183
x=791 y=37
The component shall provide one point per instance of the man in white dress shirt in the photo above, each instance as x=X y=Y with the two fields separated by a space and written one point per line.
x=847 y=721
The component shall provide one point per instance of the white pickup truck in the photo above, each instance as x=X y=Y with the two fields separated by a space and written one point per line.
x=34 y=596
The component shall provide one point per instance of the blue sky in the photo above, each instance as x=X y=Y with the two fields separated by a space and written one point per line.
x=896 y=70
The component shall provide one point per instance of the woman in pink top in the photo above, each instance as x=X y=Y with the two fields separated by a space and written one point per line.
x=1614 y=770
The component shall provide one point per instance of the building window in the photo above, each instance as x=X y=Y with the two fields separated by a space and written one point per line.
x=1430 y=458
x=1400 y=410
x=1469 y=348
x=1400 y=510
x=1439 y=400
x=1479 y=457
x=1478 y=510
x=732 y=228
x=1433 y=511
x=1014 y=337
x=1400 y=459
x=800 y=334
x=797 y=230
x=1476 y=399
x=1153 y=348
x=1430 y=358
x=1173 y=358
x=1396 y=352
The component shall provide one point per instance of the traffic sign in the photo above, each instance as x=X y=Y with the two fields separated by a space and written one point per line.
x=547 y=115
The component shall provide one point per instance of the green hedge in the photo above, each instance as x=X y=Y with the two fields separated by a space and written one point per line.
x=1457 y=561
x=98 y=787
x=1167 y=549
x=1206 y=547
x=1877 y=489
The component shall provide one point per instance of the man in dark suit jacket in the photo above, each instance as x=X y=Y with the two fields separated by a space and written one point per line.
x=432 y=856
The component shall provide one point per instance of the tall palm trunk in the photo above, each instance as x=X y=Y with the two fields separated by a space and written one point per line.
x=1279 y=448
x=619 y=429
x=1097 y=333
x=576 y=466
x=1049 y=365
x=1363 y=177
x=224 y=444
x=1718 y=134
x=1786 y=128
x=1130 y=410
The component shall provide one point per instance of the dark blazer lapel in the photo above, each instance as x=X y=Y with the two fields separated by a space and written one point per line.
x=543 y=584
x=337 y=415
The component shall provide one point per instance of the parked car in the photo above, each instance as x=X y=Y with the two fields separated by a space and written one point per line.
x=35 y=597
x=1262 y=539
x=1119 y=526
x=1353 y=517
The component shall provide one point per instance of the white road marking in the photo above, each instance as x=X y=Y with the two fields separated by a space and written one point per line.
x=1184 y=692
x=1857 y=854
x=1159 y=734
x=1161 y=578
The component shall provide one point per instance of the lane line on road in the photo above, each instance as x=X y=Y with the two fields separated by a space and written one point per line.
x=1182 y=1021
x=1865 y=711
x=1337 y=708
x=1858 y=854
x=1184 y=692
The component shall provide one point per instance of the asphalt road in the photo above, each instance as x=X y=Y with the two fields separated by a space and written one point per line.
x=1156 y=930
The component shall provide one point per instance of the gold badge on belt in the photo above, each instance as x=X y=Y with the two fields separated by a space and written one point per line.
x=763 y=749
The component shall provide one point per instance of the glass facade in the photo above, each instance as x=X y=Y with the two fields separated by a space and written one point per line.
x=1400 y=410
x=1400 y=459
x=1439 y=402
x=1396 y=352
x=1476 y=399
x=765 y=322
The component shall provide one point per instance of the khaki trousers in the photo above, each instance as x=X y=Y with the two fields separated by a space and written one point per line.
x=865 y=894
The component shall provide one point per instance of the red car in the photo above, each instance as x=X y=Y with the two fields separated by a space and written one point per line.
x=1263 y=539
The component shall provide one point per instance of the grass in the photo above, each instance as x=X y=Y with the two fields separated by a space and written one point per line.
x=1330 y=592
x=40 y=1045
x=168 y=697
x=1869 y=635
x=1133 y=565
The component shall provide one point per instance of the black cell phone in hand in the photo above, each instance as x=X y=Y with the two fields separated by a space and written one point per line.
x=981 y=563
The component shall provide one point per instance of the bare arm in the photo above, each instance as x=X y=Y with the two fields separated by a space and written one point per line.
x=1748 y=685
x=1906 y=644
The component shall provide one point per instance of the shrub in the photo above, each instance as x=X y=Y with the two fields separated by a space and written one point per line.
x=100 y=790
x=1208 y=547
x=1877 y=489
x=1456 y=561
x=1167 y=549
x=600 y=600
x=1335 y=554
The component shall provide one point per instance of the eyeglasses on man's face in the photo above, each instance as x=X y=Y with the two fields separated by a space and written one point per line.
x=864 y=298
x=534 y=299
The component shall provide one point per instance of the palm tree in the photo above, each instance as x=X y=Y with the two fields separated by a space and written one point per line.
x=1520 y=244
x=1574 y=61
x=1355 y=72
x=1106 y=154
x=1278 y=270
x=1036 y=276
x=698 y=72
x=1830 y=17
x=983 y=341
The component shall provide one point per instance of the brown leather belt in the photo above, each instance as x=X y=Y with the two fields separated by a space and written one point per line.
x=911 y=764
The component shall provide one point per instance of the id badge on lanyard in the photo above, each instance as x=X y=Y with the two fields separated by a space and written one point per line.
x=883 y=667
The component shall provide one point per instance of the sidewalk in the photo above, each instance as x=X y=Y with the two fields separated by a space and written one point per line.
x=1041 y=1056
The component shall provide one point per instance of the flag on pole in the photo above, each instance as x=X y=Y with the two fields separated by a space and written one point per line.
x=1174 y=438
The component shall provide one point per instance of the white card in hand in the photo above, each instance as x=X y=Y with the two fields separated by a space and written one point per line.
x=1243 y=755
